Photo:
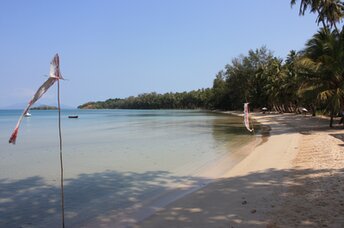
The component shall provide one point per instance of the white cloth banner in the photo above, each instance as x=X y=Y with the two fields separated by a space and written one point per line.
x=246 y=117
x=54 y=75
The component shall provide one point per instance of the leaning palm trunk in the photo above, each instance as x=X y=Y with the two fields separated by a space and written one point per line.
x=331 y=119
x=314 y=110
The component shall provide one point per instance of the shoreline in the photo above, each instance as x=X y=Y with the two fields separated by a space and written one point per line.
x=133 y=195
x=210 y=173
x=279 y=184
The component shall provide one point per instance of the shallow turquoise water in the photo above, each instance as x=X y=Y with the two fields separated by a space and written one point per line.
x=114 y=159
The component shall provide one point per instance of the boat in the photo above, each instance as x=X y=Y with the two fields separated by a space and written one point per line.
x=73 y=117
x=27 y=114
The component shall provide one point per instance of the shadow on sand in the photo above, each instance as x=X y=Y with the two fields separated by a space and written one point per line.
x=287 y=123
x=32 y=203
x=281 y=200
x=300 y=123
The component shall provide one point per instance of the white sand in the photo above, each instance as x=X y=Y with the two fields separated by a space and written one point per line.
x=295 y=179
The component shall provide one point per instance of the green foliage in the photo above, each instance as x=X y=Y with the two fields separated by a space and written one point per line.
x=186 y=100
x=322 y=70
x=329 y=12
x=311 y=78
x=259 y=78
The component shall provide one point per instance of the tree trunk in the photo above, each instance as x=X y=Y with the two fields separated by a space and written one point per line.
x=313 y=110
x=335 y=27
x=331 y=120
x=280 y=110
x=322 y=21
x=274 y=107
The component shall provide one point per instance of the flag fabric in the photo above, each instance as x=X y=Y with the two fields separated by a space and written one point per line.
x=54 y=75
x=246 y=117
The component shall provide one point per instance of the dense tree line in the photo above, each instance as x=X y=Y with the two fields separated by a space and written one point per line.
x=311 y=78
x=197 y=99
x=259 y=78
x=44 y=107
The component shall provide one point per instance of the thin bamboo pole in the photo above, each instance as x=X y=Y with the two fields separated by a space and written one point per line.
x=61 y=158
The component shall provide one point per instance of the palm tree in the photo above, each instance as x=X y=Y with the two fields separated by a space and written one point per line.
x=323 y=69
x=291 y=80
x=305 y=4
x=330 y=12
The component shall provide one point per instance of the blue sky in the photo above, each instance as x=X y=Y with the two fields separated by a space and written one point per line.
x=113 y=48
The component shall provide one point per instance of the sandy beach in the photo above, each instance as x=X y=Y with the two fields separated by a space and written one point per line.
x=295 y=178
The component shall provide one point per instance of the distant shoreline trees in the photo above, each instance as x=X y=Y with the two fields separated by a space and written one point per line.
x=197 y=99
x=259 y=77
x=44 y=107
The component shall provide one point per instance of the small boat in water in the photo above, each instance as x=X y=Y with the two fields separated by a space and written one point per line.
x=73 y=117
x=27 y=114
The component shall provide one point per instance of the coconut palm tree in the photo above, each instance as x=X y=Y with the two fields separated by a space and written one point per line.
x=291 y=80
x=323 y=69
x=330 y=12
x=312 y=5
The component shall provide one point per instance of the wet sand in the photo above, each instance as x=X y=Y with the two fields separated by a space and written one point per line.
x=295 y=179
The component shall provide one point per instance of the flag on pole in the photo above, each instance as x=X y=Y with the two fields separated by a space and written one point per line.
x=246 y=117
x=54 y=75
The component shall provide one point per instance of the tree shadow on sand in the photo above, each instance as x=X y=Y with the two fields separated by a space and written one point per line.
x=272 y=198
x=102 y=198
x=33 y=203
x=281 y=124
x=292 y=123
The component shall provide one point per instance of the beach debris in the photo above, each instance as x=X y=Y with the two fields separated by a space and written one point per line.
x=244 y=202
x=253 y=211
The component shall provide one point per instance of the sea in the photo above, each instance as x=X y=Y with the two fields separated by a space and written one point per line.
x=120 y=166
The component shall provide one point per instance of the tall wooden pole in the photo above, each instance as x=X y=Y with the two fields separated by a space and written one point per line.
x=61 y=158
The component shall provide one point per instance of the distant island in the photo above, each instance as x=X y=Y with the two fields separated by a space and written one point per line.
x=44 y=107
